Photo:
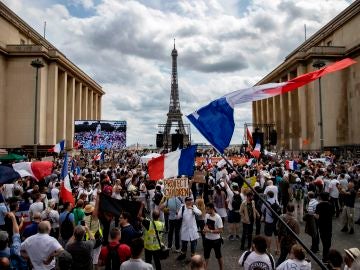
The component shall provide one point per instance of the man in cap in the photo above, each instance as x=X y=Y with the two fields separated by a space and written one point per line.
x=187 y=214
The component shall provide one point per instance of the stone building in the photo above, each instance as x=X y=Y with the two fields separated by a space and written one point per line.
x=65 y=92
x=297 y=114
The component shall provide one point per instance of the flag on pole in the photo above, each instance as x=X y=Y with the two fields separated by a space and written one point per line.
x=257 y=151
x=60 y=146
x=72 y=168
x=291 y=165
x=249 y=137
x=100 y=156
x=179 y=162
x=215 y=121
x=65 y=189
x=249 y=161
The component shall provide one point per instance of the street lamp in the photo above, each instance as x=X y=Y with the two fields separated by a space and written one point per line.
x=36 y=64
x=319 y=64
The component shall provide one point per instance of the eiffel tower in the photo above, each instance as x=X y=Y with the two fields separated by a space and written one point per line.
x=174 y=115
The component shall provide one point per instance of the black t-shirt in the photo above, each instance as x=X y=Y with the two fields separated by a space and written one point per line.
x=284 y=186
x=325 y=212
x=349 y=199
x=81 y=253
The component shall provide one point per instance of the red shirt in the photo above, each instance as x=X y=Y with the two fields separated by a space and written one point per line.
x=123 y=251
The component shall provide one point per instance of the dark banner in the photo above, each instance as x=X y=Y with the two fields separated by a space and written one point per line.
x=114 y=206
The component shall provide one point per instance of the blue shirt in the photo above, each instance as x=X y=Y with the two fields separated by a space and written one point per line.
x=174 y=205
x=30 y=230
x=63 y=216
x=3 y=211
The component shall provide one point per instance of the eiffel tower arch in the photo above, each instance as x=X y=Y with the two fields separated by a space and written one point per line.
x=174 y=116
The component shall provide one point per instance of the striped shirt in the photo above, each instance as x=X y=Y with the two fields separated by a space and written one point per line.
x=312 y=206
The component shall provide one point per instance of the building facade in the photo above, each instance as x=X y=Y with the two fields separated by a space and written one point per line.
x=296 y=115
x=64 y=92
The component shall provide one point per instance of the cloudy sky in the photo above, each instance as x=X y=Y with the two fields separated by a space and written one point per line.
x=223 y=46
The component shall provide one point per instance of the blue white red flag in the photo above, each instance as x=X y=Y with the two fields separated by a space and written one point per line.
x=37 y=170
x=173 y=164
x=257 y=151
x=291 y=165
x=60 y=146
x=100 y=156
x=65 y=189
x=215 y=121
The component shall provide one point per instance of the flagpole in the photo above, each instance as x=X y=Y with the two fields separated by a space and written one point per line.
x=316 y=259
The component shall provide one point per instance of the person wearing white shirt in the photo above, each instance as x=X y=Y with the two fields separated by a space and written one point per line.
x=334 y=195
x=41 y=248
x=257 y=257
x=38 y=206
x=55 y=193
x=274 y=189
x=188 y=227
x=296 y=260
x=213 y=228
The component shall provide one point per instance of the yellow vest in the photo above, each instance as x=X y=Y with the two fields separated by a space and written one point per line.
x=150 y=240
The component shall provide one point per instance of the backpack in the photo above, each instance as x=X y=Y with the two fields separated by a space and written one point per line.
x=236 y=202
x=113 y=259
x=66 y=228
x=276 y=207
x=270 y=258
x=298 y=193
x=157 y=198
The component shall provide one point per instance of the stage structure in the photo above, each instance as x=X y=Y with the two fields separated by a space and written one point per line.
x=265 y=134
x=168 y=139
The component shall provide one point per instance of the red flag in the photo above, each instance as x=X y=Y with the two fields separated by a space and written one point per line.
x=249 y=137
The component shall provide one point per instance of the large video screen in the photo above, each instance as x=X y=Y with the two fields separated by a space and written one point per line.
x=102 y=134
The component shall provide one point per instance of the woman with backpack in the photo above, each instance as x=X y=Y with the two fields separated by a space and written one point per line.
x=248 y=214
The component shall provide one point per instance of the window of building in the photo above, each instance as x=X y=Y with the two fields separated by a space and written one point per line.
x=22 y=41
x=329 y=43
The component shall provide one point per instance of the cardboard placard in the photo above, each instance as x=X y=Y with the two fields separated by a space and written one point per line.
x=199 y=177
x=176 y=187
x=251 y=181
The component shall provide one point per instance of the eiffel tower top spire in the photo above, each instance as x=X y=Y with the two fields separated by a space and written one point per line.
x=174 y=106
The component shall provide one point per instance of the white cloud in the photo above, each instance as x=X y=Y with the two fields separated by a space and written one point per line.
x=126 y=45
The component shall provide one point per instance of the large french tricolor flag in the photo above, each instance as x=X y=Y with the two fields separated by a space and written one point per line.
x=100 y=156
x=257 y=151
x=179 y=162
x=65 y=189
x=37 y=170
x=215 y=121
x=291 y=165
x=60 y=146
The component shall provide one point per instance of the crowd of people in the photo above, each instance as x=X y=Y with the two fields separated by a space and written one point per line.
x=38 y=230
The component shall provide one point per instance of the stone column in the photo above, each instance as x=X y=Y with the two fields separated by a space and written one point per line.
x=61 y=109
x=95 y=109
x=90 y=115
x=52 y=104
x=277 y=120
x=284 y=107
x=84 y=101
x=99 y=107
x=70 y=113
x=254 y=112
x=78 y=100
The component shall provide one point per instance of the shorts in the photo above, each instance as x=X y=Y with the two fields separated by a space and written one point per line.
x=212 y=244
x=233 y=217
x=270 y=229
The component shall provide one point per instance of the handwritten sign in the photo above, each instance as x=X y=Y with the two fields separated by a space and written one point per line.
x=251 y=181
x=176 y=187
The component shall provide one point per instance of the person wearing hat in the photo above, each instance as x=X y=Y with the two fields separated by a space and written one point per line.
x=351 y=255
x=187 y=214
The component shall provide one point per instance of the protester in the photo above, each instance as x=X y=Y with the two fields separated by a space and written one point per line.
x=296 y=260
x=135 y=262
x=128 y=232
x=351 y=255
x=248 y=214
x=257 y=257
x=41 y=248
x=348 y=195
x=234 y=203
x=324 y=213
x=286 y=239
x=81 y=250
x=114 y=254
x=67 y=223
x=197 y=262
x=32 y=228
x=174 y=205
x=187 y=214
x=213 y=229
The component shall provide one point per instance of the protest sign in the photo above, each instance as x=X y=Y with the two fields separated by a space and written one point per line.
x=176 y=187
x=251 y=181
x=199 y=177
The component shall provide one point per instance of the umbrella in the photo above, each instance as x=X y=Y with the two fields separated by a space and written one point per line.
x=11 y=156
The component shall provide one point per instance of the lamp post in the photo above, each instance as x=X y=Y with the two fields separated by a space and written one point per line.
x=36 y=64
x=319 y=64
